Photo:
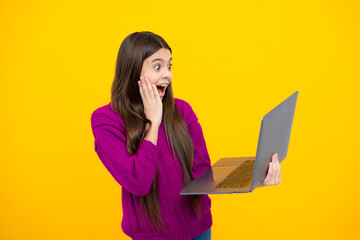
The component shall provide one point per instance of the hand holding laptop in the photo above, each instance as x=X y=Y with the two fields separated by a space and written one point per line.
x=273 y=176
x=244 y=174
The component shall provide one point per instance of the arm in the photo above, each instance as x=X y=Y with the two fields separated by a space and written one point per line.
x=135 y=173
x=201 y=160
x=201 y=156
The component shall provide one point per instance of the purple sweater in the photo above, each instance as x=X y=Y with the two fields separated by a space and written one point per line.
x=135 y=173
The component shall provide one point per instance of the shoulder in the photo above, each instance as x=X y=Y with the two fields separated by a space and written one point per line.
x=186 y=111
x=106 y=116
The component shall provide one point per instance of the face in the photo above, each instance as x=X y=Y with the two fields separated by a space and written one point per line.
x=157 y=68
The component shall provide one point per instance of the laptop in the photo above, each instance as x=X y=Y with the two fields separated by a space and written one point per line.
x=244 y=174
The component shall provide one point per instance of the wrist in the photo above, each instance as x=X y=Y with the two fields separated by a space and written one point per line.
x=153 y=125
x=152 y=133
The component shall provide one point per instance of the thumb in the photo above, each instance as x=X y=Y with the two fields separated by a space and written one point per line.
x=275 y=157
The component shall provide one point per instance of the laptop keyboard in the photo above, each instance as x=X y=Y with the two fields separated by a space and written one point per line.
x=240 y=177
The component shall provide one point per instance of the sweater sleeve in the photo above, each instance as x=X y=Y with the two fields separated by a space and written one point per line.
x=201 y=156
x=135 y=173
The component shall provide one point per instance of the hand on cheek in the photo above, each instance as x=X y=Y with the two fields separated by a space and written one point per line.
x=151 y=100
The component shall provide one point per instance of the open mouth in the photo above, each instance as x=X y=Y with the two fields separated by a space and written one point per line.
x=161 y=90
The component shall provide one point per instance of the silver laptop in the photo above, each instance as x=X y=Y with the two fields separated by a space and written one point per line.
x=244 y=174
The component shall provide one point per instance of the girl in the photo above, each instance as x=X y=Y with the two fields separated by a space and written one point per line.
x=153 y=145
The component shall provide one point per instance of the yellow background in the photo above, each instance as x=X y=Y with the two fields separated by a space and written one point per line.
x=233 y=62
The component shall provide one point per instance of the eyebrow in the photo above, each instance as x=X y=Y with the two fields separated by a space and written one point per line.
x=160 y=59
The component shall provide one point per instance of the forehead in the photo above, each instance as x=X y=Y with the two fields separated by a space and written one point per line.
x=162 y=54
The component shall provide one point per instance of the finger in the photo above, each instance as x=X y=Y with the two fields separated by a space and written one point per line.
x=275 y=157
x=149 y=89
x=145 y=90
x=276 y=173
x=279 y=173
x=156 y=92
x=273 y=177
x=269 y=175
x=276 y=169
x=272 y=170
x=139 y=84
x=280 y=179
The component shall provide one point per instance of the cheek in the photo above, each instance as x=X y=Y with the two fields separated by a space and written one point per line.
x=151 y=78
x=148 y=75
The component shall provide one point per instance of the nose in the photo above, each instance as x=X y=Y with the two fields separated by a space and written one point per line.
x=167 y=75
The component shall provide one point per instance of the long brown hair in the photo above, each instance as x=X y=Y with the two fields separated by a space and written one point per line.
x=126 y=100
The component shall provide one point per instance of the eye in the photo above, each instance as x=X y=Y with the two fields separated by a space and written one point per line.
x=169 y=67
x=157 y=67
